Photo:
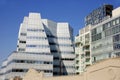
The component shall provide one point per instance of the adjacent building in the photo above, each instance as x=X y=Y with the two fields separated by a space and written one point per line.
x=98 y=40
x=82 y=49
x=98 y=15
x=43 y=45
x=105 y=38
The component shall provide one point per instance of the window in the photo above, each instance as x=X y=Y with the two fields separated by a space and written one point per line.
x=113 y=22
x=77 y=62
x=77 y=73
x=35 y=30
x=108 y=32
x=87 y=54
x=47 y=62
x=93 y=38
x=94 y=59
x=109 y=24
x=22 y=41
x=104 y=27
x=38 y=46
x=52 y=43
x=70 y=59
x=116 y=46
x=21 y=49
x=116 y=38
x=31 y=45
x=48 y=71
x=36 y=37
x=56 y=58
x=87 y=37
x=31 y=62
x=23 y=34
x=113 y=30
x=77 y=55
x=117 y=29
x=117 y=21
x=55 y=51
x=88 y=59
x=96 y=37
x=94 y=31
x=19 y=70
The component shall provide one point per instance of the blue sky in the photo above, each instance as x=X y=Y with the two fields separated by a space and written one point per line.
x=12 y=13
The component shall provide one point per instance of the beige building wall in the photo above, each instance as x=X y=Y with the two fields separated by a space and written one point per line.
x=116 y=12
x=104 y=70
x=34 y=75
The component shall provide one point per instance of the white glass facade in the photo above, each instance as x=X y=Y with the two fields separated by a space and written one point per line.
x=43 y=45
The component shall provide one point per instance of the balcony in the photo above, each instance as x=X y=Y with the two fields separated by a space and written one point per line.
x=87 y=50
x=87 y=61
x=86 y=45
x=87 y=56
x=77 y=57
x=77 y=61
x=87 y=53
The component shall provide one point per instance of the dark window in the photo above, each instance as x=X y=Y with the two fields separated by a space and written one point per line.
x=23 y=34
x=21 y=49
x=22 y=41
x=67 y=59
x=116 y=38
x=94 y=59
x=56 y=58
x=94 y=31
x=116 y=46
x=54 y=51
x=52 y=43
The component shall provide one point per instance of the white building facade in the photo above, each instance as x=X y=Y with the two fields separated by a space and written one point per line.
x=83 y=49
x=98 y=42
x=43 y=45
x=106 y=38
